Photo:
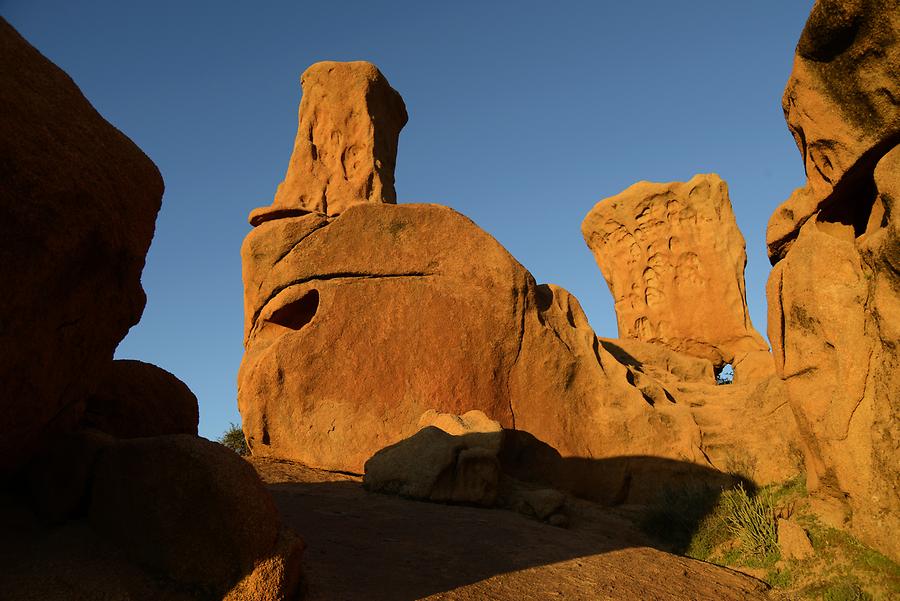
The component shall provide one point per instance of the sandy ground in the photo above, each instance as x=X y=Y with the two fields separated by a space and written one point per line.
x=363 y=545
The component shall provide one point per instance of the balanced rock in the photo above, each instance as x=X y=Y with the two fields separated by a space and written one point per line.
x=674 y=260
x=346 y=146
x=841 y=106
x=78 y=203
x=834 y=293
x=136 y=399
x=358 y=324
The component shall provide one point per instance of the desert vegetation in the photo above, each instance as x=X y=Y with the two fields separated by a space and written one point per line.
x=739 y=528
x=233 y=438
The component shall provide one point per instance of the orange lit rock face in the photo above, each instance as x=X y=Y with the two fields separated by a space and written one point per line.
x=834 y=293
x=674 y=261
x=841 y=106
x=346 y=146
x=357 y=325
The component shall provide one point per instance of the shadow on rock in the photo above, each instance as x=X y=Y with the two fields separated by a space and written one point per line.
x=496 y=498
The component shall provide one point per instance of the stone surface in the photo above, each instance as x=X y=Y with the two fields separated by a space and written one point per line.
x=135 y=399
x=357 y=326
x=185 y=507
x=842 y=107
x=78 y=203
x=438 y=466
x=834 y=293
x=346 y=146
x=275 y=577
x=793 y=540
x=659 y=361
x=674 y=260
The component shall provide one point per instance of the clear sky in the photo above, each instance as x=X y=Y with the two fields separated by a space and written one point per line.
x=522 y=116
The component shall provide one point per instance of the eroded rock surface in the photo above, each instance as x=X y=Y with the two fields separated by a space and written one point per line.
x=841 y=105
x=674 y=261
x=346 y=146
x=357 y=326
x=834 y=293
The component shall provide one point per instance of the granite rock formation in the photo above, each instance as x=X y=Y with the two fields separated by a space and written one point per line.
x=841 y=106
x=674 y=260
x=78 y=205
x=88 y=515
x=358 y=324
x=834 y=293
x=346 y=145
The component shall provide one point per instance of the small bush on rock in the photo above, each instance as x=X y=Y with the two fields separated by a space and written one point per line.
x=233 y=438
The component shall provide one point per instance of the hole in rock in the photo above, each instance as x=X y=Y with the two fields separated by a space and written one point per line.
x=298 y=313
x=725 y=374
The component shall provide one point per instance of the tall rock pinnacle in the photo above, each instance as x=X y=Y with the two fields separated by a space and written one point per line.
x=346 y=146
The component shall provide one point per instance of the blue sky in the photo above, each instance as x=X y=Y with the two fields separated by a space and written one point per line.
x=522 y=116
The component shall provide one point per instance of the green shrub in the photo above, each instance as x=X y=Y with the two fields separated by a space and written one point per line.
x=751 y=519
x=233 y=438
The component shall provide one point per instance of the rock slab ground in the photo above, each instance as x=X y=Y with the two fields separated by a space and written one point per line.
x=376 y=547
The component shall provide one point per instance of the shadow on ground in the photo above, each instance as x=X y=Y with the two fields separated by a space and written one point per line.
x=363 y=545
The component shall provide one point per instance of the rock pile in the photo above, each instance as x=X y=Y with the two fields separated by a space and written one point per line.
x=107 y=491
x=834 y=292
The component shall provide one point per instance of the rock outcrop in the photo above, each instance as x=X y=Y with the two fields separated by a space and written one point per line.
x=842 y=109
x=674 y=260
x=358 y=324
x=346 y=145
x=78 y=204
x=97 y=516
x=834 y=293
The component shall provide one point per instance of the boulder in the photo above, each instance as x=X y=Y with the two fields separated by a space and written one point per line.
x=437 y=466
x=346 y=145
x=78 y=204
x=834 y=293
x=188 y=508
x=674 y=261
x=136 y=399
x=793 y=540
x=366 y=322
